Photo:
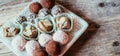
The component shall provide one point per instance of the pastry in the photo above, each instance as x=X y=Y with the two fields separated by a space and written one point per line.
x=31 y=46
x=35 y=7
x=53 y=48
x=45 y=25
x=43 y=12
x=10 y=31
x=44 y=38
x=57 y=10
x=61 y=37
x=31 y=18
x=19 y=43
x=63 y=22
x=30 y=31
x=21 y=19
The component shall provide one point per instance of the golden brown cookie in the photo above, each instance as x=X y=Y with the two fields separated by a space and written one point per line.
x=63 y=22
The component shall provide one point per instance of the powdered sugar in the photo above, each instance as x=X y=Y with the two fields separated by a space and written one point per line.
x=19 y=43
x=44 y=38
x=31 y=46
x=61 y=37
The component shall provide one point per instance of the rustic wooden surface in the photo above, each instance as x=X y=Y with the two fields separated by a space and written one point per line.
x=103 y=30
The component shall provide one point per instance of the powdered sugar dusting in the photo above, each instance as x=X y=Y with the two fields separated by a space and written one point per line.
x=31 y=46
x=19 y=43
x=44 y=38
x=60 y=36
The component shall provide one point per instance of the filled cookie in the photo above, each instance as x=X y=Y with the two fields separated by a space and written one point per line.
x=10 y=29
x=45 y=25
x=29 y=31
x=63 y=22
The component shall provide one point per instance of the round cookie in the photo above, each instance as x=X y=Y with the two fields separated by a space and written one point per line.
x=57 y=10
x=47 y=3
x=32 y=46
x=43 y=12
x=38 y=52
x=19 y=43
x=53 y=48
x=35 y=7
x=61 y=37
x=44 y=38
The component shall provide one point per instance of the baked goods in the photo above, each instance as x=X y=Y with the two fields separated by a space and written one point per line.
x=31 y=18
x=32 y=46
x=42 y=31
x=53 y=48
x=61 y=37
x=47 y=3
x=38 y=52
x=45 y=25
x=19 y=43
x=56 y=10
x=44 y=38
x=30 y=31
x=43 y=12
x=10 y=31
x=35 y=7
x=63 y=22
x=21 y=19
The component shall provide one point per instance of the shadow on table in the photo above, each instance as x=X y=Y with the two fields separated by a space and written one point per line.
x=86 y=36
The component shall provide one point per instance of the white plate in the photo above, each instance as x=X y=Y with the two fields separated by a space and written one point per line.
x=79 y=26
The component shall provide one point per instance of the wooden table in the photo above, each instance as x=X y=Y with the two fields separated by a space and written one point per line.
x=103 y=17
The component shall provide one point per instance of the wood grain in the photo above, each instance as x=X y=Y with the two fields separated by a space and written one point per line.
x=104 y=26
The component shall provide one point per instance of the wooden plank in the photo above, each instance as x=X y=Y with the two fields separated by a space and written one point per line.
x=8 y=54
x=3 y=49
x=103 y=30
